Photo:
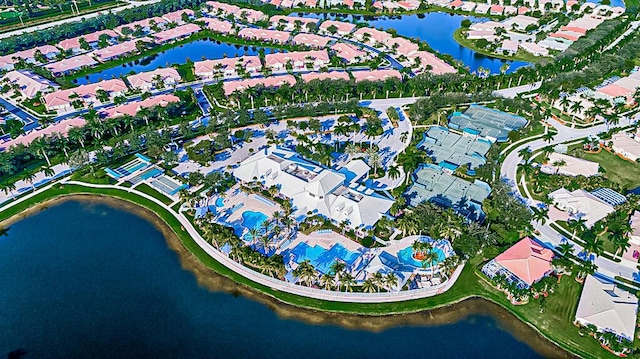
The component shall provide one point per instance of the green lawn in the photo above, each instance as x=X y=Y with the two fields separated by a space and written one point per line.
x=145 y=188
x=521 y=55
x=620 y=171
x=555 y=323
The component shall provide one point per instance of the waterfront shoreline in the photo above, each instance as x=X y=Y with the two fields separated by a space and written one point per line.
x=208 y=278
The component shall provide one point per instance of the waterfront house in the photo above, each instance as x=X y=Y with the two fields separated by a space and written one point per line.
x=291 y=23
x=66 y=66
x=119 y=50
x=297 y=60
x=428 y=62
x=132 y=108
x=272 y=36
x=227 y=67
x=401 y=46
x=608 y=307
x=371 y=36
x=216 y=8
x=341 y=28
x=158 y=78
x=176 y=33
x=534 y=49
x=333 y=75
x=216 y=25
x=509 y=47
x=29 y=56
x=524 y=263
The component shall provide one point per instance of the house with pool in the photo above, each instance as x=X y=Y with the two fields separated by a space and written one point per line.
x=338 y=195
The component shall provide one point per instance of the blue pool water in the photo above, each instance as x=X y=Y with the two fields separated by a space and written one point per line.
x=194 y=51
x=86 y=280
x=250 y=220
x=219 y=202
x=405 y=256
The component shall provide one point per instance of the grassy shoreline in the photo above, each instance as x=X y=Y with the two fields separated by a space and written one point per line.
x=469 y=285
x=520 y=56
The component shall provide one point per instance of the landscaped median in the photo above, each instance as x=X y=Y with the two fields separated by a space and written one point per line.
x=555 y=323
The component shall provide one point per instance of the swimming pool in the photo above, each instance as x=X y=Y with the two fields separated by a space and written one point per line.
x=405 y=256
x=251 y=219
x=219 y=202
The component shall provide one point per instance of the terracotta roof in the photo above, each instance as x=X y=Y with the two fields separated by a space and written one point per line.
x=527 y=259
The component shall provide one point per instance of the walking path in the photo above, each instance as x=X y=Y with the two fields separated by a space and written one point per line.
x=276 y=284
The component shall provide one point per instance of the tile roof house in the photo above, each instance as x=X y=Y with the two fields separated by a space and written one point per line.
x=29 y=84
x=249 y=15
x=371 y=36
x=176 y=16
x=333 y=75
x=62 y=100
x=634 y=238
x=228 y=67
x=132 y=108
x=626 y=146
x=572 y=166
x=92 y=39
x=375 y=75
x=350 y=53
x=145 y=25
x=428 y=62
x=221 y=9
x=341 y=28
x=608 y=307
x=61 y=128
x=273 y=36
x=116 y=51
x=71 y=64
x=534 y=49
x=176 y=33
x=311 y=40
x=149 y=80
x=273 y=81
x=581 y=204
x=217 y=25
x=299 y=60
x=289 y=22
x=401 y=46
x=524 y=263
x=29 y=56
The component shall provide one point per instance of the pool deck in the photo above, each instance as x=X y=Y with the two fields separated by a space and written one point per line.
x=325 y=240
x=234 y=196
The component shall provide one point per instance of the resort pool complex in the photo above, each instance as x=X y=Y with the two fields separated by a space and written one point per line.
x=219 y=202
x=405 y=256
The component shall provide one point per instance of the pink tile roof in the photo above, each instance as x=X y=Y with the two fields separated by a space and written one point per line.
x=497 y=9
x=456 y=4
x=408 y=4
x=266 y=35
x=132 y=108
x=438 y=66
x=64 y=97
x=250 y=14
x=310 y=3
x=176 y=16
x=375 y=35
x=276 y=19
x=375 y=75
x=402 y=45
x=145 y=79
x=574 y=29
x=275 y=2
x=29 y=84
x=29 y=54
x=61 y=128
x=509 y=45
x=71 y=64
x=296 y=56
x=311 y=40
x=523 y=10
x=114 y=51
x=568 y=35
x=614 y=90
x=342 y=27
x=349 y=52
x=273 y=81
x=95 y=36
x=527 y=259
x=175 y=33
x=333 y=75
x=217 y=25
x=250 y=63
x=224 y=9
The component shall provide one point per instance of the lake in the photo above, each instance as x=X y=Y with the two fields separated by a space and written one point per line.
x=436 y=29
x=194 y=51
x=85 y=279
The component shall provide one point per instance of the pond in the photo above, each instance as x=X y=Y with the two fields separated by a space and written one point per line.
x=85 y=279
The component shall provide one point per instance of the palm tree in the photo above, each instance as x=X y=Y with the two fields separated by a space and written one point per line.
x=391 y=280
x=348 y=282
x=577 y=225
x=525 y=153
x=565 y=248
x=540 y=215
x=558 y=164
x=337 y=269
x=368 y=286
x=48 y=171
x=620 y=240
x=327 y=281
x=374 y=160
x=430 y=257
x=30 y=177
x=351 y=149
x=40 y=146
x=548 y=136
x=393 y=172
x=592 y=244
x=305 y=272
x=8 y=188
x=576 y=108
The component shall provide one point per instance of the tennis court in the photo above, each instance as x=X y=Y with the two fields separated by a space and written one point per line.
x=167 y=185
x=443 y=145
x=482 y=121
x=138 y=163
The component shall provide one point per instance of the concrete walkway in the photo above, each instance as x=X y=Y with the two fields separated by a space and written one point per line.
x=282 y=286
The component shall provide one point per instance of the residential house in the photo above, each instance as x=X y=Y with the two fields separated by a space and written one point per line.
x=350 y=53
x=176 y=33
x=61 y=128
x=311 y=40
x=581 y=204
x=177 y=16
x=625 y=146
x=371 y=36
x=29 y=85
x=524 y=263
x=63 y=100
x=376 y=75
x=119 y=50
x=291 y=23
x=332 y=75
x=66 y=66
x=132 y=108
x=272 y=81
x=227 y=67
x=340 y=28
x=272 y=36
x=298 y=60
x=570 y=166
x=158 y=78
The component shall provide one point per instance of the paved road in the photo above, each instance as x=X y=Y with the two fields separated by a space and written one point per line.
x=131 y=5
x=625 y=268
x=512 y=92
x=30 y=122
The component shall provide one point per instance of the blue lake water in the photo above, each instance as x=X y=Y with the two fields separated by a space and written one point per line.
x=435 y=28
x=86 y=280
x=194 y=51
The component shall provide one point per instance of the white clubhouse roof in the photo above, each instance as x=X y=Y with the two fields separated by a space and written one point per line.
x=581 y=204
x=608 y=307
x=313 y=188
